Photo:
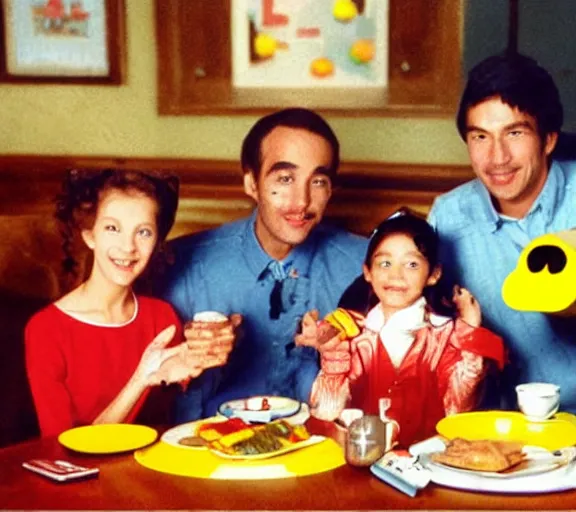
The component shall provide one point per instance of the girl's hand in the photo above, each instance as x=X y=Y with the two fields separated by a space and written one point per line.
x=314 y=335
x=467 y=306
x=155 y=353
x=160 y=364
x=335 y=353
x=180 y=367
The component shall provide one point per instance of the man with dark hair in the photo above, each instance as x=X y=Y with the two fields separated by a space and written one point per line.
x=510 y=117
x=271 y=267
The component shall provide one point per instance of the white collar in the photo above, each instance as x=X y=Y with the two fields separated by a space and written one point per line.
x=397 y=334
x=410 y=318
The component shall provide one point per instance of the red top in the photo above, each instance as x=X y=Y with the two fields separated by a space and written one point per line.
x=432 y=380
x=75 y=369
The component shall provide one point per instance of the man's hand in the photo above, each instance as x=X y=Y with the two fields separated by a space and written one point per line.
x=467 y=306
x=211 y=342
x=309 y=335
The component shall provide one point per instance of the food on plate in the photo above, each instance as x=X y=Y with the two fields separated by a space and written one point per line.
x=195 y=441
x=252 y=439
x=213 y=430
x=340 y=321
x=257 y=404
x=481 y=455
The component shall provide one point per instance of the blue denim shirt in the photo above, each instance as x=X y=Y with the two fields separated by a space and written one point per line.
x=479 y=248
x=227 y=270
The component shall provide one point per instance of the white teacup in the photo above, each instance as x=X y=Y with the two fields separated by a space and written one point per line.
x=210 y=317
x=538 y=400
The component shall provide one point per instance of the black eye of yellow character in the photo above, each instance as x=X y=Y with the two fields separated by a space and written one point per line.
x=547 y=255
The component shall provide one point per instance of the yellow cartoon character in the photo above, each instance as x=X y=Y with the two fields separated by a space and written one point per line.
x=544 y=279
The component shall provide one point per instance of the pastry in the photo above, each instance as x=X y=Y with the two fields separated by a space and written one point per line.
x=480 y=455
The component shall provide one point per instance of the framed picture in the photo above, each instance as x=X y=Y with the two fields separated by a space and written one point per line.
x=310 y=43
x=62 y=41
x=223 y=57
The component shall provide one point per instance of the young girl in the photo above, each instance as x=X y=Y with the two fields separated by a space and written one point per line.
x=428 y=365
x=92 y=355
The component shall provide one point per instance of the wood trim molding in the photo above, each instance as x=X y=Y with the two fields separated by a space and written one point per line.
x=211 y=190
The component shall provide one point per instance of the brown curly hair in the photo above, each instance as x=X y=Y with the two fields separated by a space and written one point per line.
x=83 y=189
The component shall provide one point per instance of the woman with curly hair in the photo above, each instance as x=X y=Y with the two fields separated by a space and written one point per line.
x=93 y=354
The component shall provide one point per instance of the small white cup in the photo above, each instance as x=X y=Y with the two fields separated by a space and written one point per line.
x=210 y=317
x=538 y=400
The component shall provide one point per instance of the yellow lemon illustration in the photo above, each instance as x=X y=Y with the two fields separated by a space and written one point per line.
x=264 y=45
x=362 y=51
x=344 y=10
x=322 y=67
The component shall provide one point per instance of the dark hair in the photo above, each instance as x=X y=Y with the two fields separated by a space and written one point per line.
x=361 y=297
x=293 y=118
x=518 y=81
x=407 y=222
x=82 y=190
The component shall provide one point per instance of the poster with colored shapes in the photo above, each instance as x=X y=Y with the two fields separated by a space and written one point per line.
x=309 y=43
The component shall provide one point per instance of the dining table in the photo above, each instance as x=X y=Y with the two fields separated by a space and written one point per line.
x=124 y=484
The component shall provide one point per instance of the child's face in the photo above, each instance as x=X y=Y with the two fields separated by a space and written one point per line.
x=398 y=272
x=123 y=236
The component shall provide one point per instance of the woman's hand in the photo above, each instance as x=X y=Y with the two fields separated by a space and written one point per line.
x=467 y=306
x=160 y=364
x=179 y=367
x=155 y=354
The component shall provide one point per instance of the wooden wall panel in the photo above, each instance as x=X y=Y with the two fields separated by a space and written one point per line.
x=211 y=191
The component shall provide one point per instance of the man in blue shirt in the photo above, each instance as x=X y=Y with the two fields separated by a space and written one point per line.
x=510 y=116
x=271 y=267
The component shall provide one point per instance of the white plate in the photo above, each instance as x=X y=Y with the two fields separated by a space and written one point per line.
x=549 y=480
x=250 y=409
x=538 y=460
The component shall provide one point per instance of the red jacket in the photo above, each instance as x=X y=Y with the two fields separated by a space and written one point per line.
x=439 y=375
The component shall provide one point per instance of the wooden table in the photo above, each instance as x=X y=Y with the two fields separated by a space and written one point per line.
x=125 y=484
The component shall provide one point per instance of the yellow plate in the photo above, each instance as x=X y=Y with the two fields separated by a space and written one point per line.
x=551 y=434
x=170 y=459
x=107 y=438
